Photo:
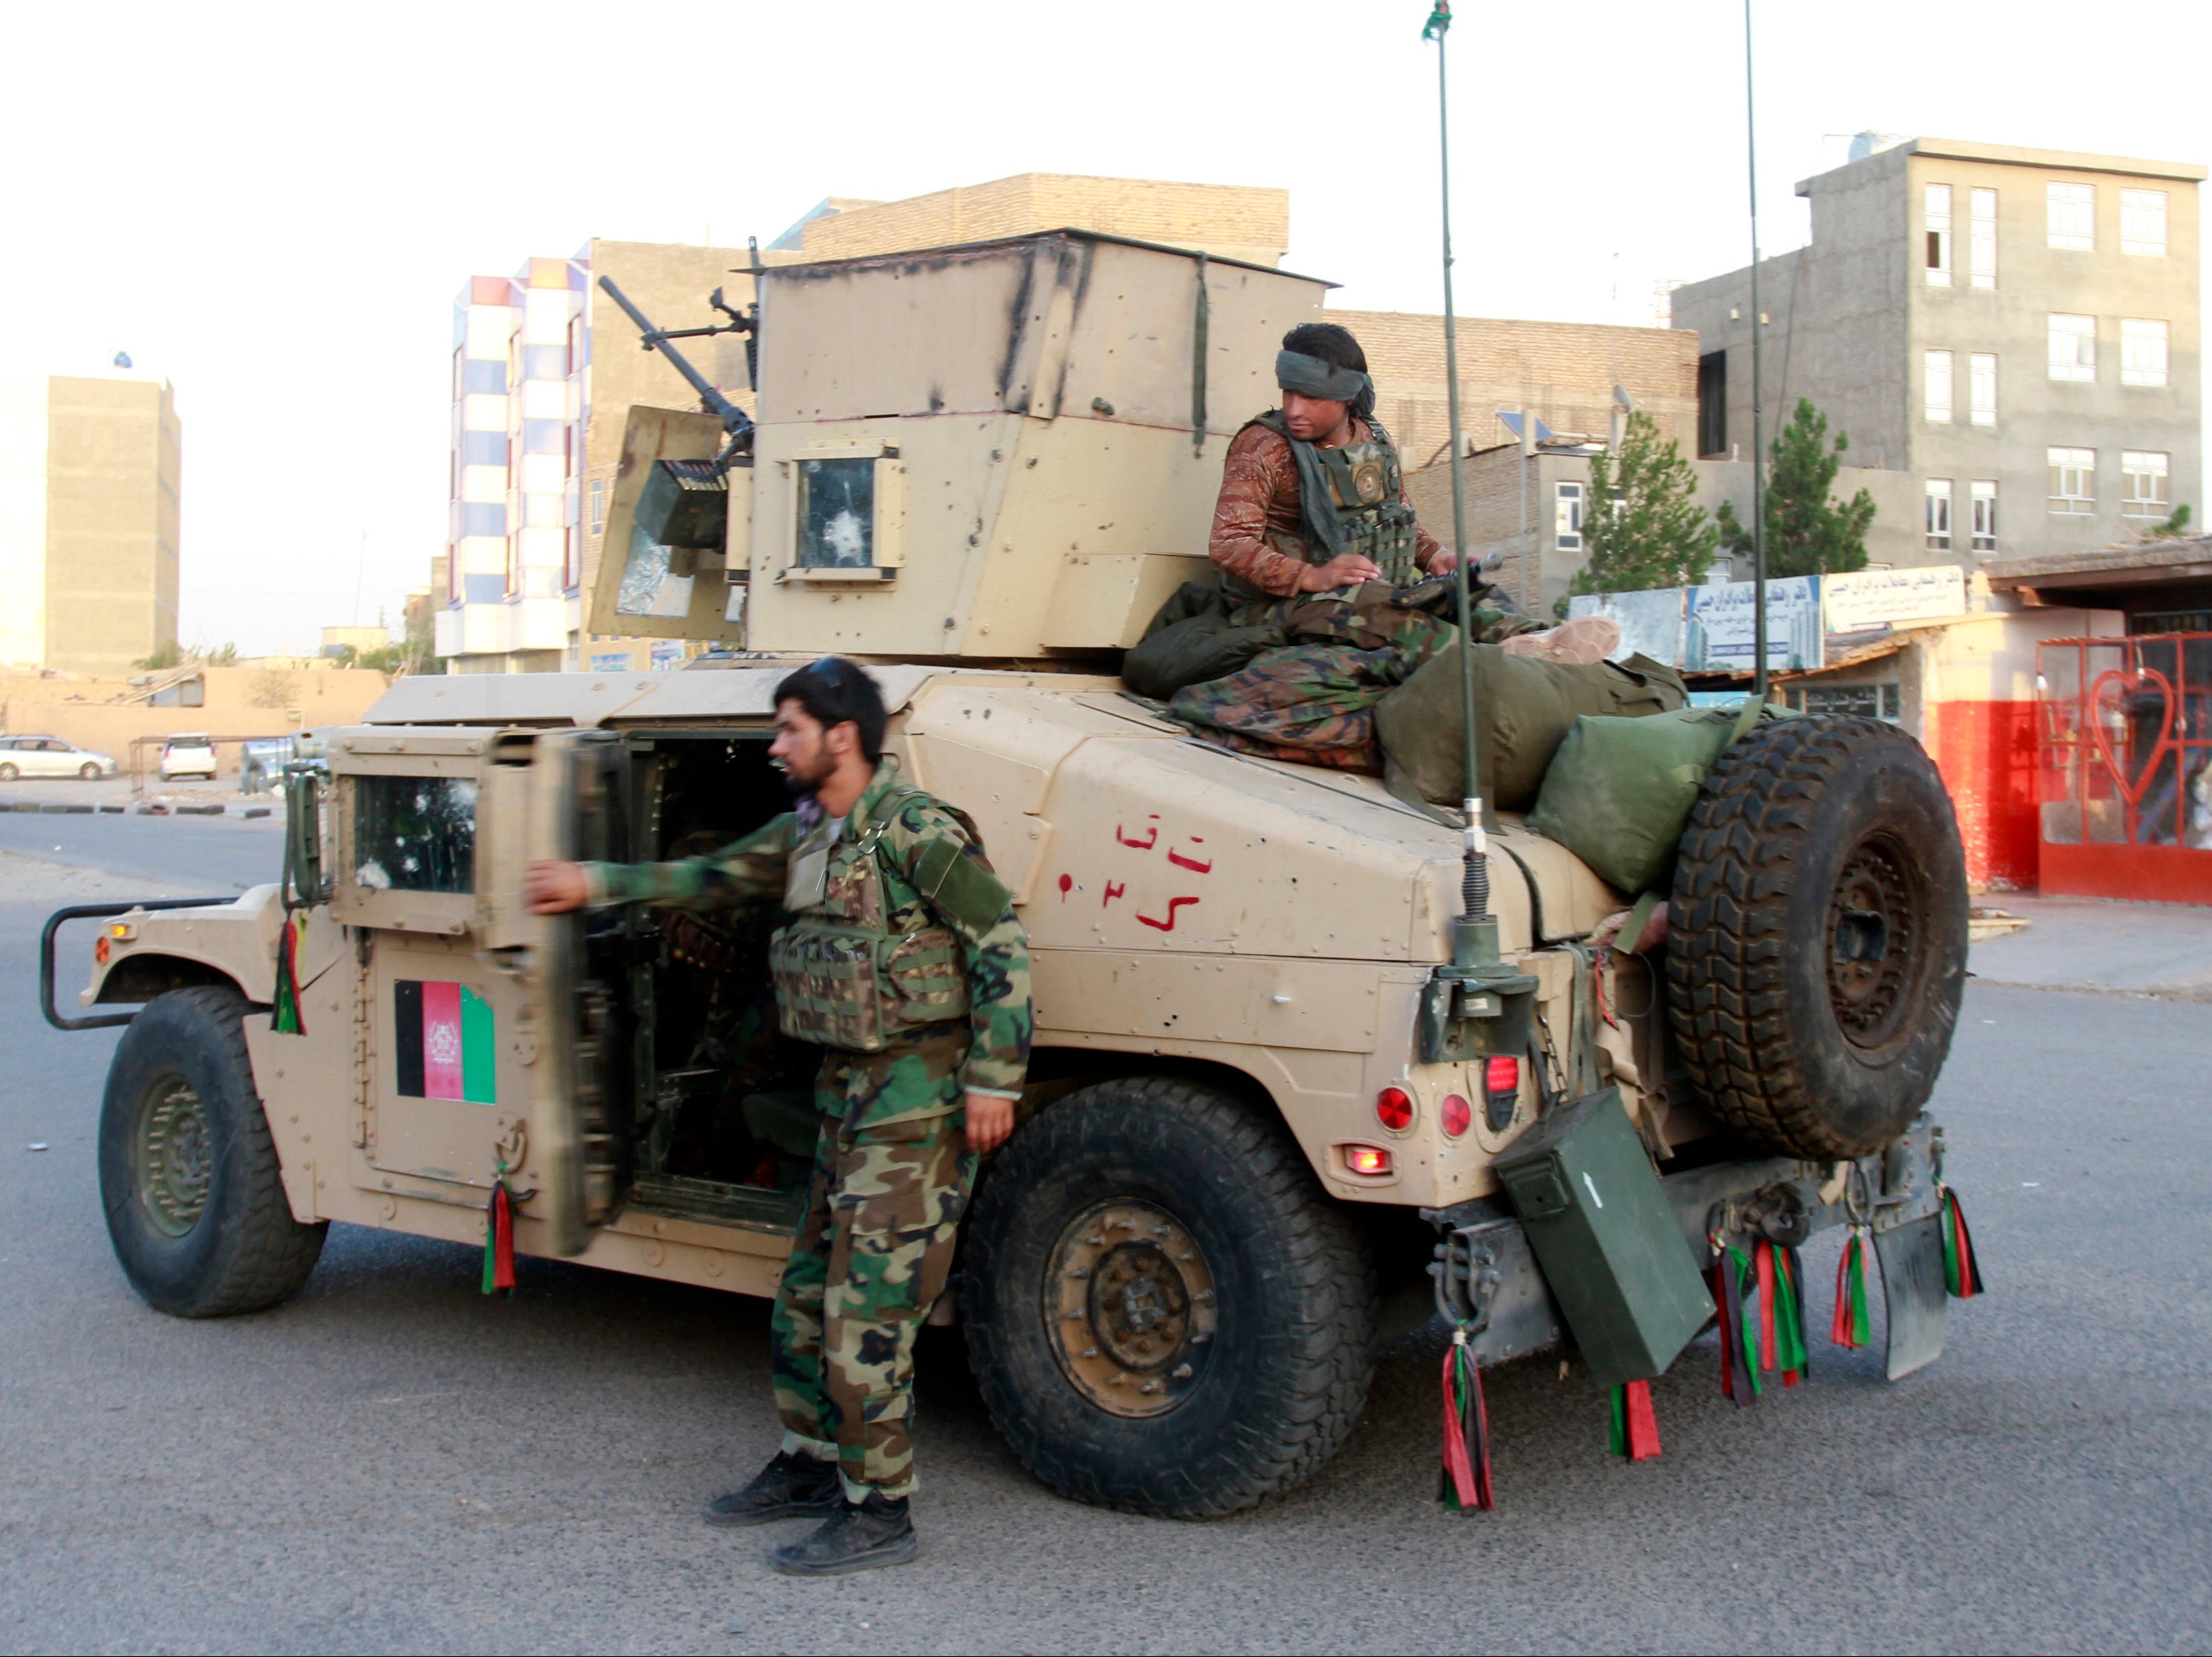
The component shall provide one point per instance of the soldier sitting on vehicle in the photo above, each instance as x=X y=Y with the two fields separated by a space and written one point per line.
x=906 y=964
x=1313 y=531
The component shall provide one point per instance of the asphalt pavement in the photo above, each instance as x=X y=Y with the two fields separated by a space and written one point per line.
x=393 y=1462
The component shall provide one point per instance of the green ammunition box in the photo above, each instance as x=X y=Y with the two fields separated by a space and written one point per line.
x=1607 y=1239
x=685 y=504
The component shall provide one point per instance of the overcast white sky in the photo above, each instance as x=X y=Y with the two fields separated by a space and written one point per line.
x=274 y=206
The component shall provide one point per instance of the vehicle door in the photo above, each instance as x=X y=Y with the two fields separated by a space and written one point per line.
x=425 y=844
x=48 y=758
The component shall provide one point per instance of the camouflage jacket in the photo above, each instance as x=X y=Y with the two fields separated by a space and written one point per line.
x=923 y=884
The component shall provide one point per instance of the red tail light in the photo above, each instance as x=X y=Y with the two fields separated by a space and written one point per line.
x=1501 y=1076
x=1393 y=1108
x=1367 y=1159
x=1458 y=1115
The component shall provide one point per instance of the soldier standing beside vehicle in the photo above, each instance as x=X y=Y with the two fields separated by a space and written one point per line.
x=906 y=964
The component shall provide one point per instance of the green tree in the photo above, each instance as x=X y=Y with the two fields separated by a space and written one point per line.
x=1807 y=533
x=2172 y=527
x=1641 y=527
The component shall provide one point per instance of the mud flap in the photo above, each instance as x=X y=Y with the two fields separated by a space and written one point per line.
x=1911 y=1257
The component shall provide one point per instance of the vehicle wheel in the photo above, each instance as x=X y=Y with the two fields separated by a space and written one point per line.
x=9 y=774
x=1164 y=1314
x=1817 y=950
x=188 y=1173
x=89 y=772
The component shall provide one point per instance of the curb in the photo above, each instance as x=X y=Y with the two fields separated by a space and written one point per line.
x=143 y=808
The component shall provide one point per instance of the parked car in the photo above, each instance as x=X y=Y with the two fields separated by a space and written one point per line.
x=50 y=757
x=187 y=755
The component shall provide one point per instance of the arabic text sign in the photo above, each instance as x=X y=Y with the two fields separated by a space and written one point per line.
x=1720 y=628
x=1872 y=598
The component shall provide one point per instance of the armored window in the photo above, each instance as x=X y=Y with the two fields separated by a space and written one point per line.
x=1981 y=388
x=2073 y=480
x=837 y=514
x=1937 y=220
x=1984 y=525
x=2142 y=222
x=2073 y=347
x=1981 y=250
x=1567 y=517
x=2142 y=484
x=2142 y=352
x=2070 y=215
x=414 y=833
x=848 y=513
x=1937 y=376
x=1939 y=514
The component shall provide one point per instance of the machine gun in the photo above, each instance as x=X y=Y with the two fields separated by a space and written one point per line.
x=735 y=420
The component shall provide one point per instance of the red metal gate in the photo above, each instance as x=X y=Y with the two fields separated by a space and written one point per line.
x=2124 y=730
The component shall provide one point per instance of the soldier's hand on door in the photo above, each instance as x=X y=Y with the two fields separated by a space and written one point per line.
x=990 y=1121
x=1341 y=571
x=553 y=889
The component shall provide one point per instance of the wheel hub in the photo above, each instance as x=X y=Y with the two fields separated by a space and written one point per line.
x=1875 y=942
x=175 y=1155
x=1131 y=1308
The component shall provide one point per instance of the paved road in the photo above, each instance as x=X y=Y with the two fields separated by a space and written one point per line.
x=392 y=1462
x=170 y=857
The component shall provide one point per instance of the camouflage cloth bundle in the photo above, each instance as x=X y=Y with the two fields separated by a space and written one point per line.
x=1312 y=704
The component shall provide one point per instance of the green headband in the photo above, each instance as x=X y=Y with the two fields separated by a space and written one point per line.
x=1310 y=377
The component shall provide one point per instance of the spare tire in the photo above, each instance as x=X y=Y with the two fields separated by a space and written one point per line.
x=1817 y=952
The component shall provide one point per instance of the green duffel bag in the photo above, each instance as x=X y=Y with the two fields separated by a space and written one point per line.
x=1619 y=791
x=1191 y=642
x=1526 y=705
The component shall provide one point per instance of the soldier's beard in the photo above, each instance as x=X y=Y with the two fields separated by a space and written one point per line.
x=803 y=781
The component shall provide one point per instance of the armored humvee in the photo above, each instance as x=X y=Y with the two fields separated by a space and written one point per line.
x=1264 y=1121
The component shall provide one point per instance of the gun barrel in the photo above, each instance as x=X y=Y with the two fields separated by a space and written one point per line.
x=734 y=419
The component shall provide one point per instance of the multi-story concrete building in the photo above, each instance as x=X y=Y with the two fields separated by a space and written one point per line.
x=91 y=473
x=2015 y=329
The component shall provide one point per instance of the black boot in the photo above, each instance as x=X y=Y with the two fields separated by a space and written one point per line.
x=789 y=1487
x=858 y=1536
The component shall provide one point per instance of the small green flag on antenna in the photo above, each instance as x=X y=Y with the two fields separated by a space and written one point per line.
x=1439 y=21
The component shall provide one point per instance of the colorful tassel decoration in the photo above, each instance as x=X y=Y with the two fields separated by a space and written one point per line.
x=284 y=1017
x=1739 y=1374
x=1789 y=1315
x=499 y=1237
x=1464 y=1484
x=1850 y=1328
x=1762 y=1260
x=1635 y=1428
x=1962 y=1271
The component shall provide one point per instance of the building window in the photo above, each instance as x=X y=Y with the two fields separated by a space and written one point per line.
x=1937 y=379
x=1984 y=525
x=2142 y=485
x=2073 y=480
x=1939 y=235
x=1712 y=403
x=1939 y=514
x=598 y=506
x=2142 y=222
x=1567 y=517
x=2071 y=215
x=1982 y=253
x=2073 y=347
x=1981 y=388
x=2142 y=352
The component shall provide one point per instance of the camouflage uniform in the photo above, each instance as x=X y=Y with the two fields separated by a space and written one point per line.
x=892 y=1171
x=1313 y=704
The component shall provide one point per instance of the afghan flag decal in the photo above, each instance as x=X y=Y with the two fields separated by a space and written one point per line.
x=444 y=1042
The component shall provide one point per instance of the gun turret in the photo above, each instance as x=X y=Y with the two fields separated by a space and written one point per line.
x=735 y=420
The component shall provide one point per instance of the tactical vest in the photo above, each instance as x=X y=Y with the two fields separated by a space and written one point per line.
x=1364 y=485
x=843 y=979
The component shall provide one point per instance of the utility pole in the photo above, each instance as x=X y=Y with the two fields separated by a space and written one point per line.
x=1758 y=389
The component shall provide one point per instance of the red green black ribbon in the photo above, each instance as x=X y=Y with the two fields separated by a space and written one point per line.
x=1962 y=1270
x=1850 y=1327
x=1463 y=1485
x=1635 y=1432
